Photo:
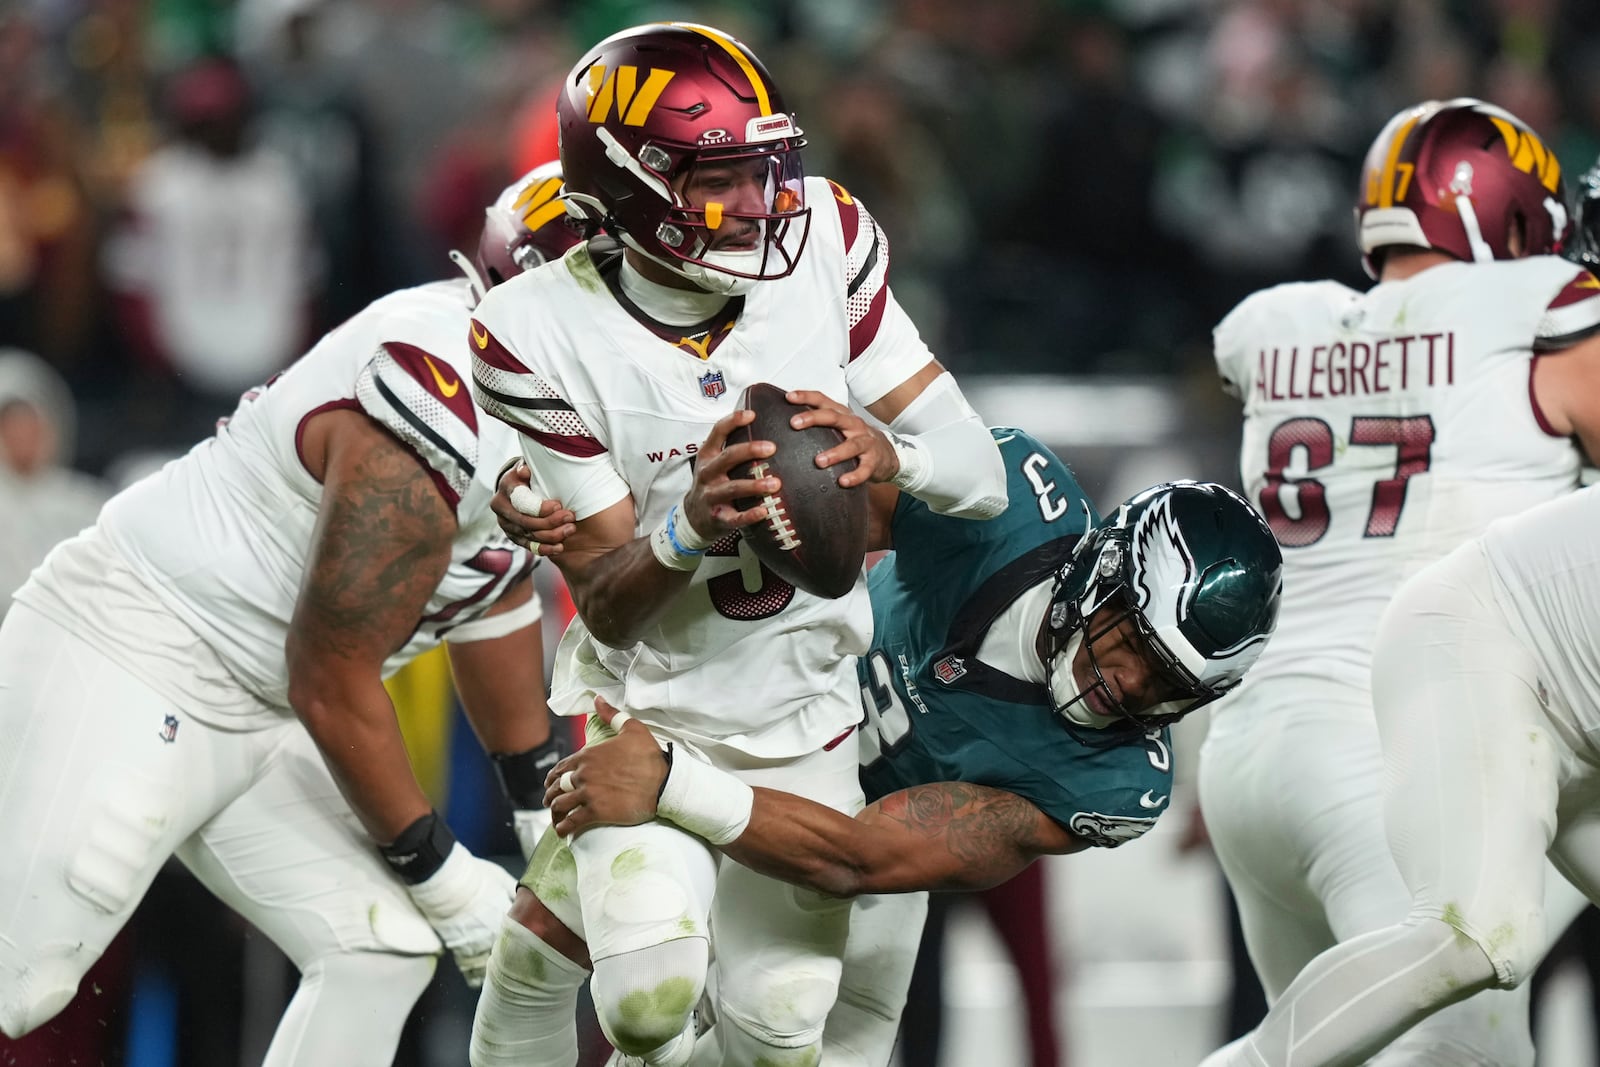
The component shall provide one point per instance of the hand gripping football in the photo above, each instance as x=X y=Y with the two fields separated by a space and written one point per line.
x=815 y=534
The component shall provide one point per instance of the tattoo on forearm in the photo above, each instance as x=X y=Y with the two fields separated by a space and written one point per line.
x=977 y=824
x=374 y=566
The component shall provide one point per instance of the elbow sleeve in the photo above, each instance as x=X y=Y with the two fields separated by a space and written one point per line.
x=948 y=458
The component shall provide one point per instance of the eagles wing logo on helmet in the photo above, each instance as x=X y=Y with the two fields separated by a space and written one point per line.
x=1162 y=560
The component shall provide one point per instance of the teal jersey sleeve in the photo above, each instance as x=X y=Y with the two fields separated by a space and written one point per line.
x=935 y=712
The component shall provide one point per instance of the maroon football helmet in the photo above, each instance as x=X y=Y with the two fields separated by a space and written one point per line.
x=648 y=106
x=528 y=224
x=1459 y=176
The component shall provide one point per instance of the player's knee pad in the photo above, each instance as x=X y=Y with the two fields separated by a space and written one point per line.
x=781 y=1009
x=645 y=998
x=36 y=990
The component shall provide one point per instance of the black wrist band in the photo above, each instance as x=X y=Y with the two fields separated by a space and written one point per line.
x=666 y=754
x=420 y=850
x=522 y=774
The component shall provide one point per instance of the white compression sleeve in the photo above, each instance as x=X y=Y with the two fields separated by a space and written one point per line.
x=948 y=458
x=526 y=1013
x=1356 y=997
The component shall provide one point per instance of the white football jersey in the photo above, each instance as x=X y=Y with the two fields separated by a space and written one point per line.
x=1546 y=564
x=608 y=408
x=1384 y=428
x=221 y=535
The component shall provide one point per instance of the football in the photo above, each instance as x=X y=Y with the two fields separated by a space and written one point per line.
x=815 y=534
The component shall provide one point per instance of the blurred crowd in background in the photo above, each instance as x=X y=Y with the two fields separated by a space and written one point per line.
x=193 y=190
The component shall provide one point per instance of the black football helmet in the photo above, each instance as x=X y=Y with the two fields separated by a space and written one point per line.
x=1199 y=574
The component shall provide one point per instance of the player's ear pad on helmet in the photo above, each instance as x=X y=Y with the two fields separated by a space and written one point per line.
x=815 y=532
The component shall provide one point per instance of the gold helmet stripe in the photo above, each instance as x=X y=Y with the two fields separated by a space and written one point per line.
x=1386 y=179
x=733 y=49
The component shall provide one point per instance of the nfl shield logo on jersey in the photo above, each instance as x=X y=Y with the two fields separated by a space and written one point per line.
x=712 y=385
x=169 y=729
x=950 y=670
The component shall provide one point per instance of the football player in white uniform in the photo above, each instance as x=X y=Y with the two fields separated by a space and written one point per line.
x=201 y=674
x=1382 y=430
x=620 y=373
x=1486 y=687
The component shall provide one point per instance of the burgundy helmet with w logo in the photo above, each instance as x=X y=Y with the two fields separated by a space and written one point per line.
x=1462 y=177
x=527 y=225
x=648 y=105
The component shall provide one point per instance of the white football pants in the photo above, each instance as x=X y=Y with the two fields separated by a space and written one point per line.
x=1483 y=774
x=778 y=947
x=1291 y=781
x=102 y=779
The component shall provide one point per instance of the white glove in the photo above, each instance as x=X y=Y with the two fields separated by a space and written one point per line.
x=464 y=902
x=530 y=825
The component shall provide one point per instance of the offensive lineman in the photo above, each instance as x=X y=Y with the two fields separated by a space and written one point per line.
x=620 y=373
x=1487 y=696
x=1383 y=429
x=1015 y=706
x=201 y=673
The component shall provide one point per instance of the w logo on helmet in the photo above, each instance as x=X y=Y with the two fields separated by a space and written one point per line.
x=1528 y=153
x=540 y=203
x=621 y=87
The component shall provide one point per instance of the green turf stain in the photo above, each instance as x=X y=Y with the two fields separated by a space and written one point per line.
x=552 y=872
x=629 y=862
x=654 y=1015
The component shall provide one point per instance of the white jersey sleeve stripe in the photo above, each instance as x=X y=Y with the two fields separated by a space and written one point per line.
x=529 y=405
x=1573 y=315
x=424 y=421
x=867 y=288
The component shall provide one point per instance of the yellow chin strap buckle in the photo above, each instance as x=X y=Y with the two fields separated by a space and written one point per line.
x=713 y=215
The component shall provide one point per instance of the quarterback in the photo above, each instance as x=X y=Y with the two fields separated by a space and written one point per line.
x=201 y=674
x=620 y=372
x=1382 y=430
x=1015 y=706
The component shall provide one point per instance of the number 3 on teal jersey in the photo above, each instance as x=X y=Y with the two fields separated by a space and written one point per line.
x=887 y=723
x=1051 y=504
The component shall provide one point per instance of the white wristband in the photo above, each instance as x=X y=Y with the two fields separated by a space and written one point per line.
x=705 y=801
x=677 y=545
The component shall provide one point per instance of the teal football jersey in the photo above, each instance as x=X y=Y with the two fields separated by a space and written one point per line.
x=935 y=713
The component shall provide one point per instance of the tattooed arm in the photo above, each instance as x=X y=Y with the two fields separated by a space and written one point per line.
x=380 y=548
x=943 y=836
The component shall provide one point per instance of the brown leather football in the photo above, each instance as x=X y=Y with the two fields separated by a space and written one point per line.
x=815 y=533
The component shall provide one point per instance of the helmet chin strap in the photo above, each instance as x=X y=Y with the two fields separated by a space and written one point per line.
x=707 y=277
x=1066 y=695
